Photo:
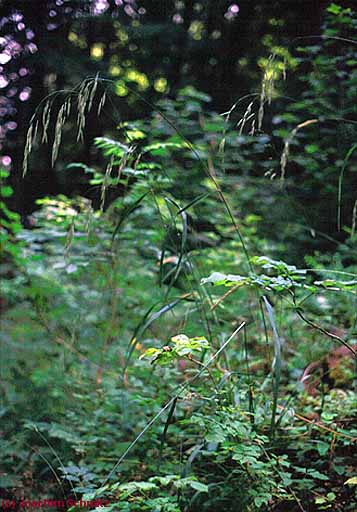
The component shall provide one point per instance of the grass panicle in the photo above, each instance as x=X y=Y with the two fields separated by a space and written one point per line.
x=61 y=119
x=106 y=181
x=46 y=117
x=286 y=151
x=28 y=148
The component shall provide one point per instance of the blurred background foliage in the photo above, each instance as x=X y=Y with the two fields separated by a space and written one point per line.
x=216 y=132
x=249 y=53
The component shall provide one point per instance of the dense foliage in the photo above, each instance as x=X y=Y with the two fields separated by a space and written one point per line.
x=182 y=334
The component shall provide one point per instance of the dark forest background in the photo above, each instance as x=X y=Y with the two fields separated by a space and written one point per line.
x=157 y=47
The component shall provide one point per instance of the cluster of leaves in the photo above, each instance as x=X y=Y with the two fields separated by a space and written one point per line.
x=183 y=346
x=287 y=277
x=10 y=225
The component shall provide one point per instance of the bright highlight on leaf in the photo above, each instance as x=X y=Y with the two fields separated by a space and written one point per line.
x=181 y=346
x=160 y=85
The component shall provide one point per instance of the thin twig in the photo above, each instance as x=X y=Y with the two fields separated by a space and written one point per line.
x=320 y=425
x=327 y=333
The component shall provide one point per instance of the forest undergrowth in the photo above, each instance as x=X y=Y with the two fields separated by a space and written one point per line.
x=176 y=339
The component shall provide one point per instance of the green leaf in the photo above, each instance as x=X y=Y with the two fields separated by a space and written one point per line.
x=316 y=474
x=198 y=486
x=191 y=92
x=184 y=345
x=332 y=284
x=76 y=165
x=111 y=147
x=351 y=481
x=311 y=149
x=217 y=279
x=160 y=148
x=334 y=9
x=132 y=487
x=6 y=191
